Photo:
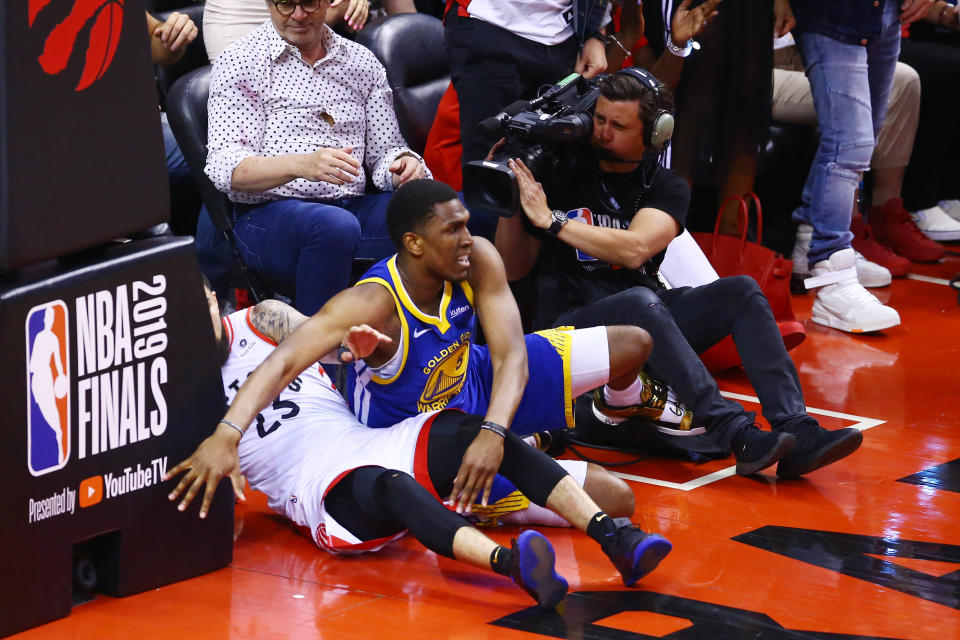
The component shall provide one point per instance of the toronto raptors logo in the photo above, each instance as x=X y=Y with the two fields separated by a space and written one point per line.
x=106 y=17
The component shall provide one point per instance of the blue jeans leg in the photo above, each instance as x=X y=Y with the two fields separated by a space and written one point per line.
x=850 y=86
x=300 y=248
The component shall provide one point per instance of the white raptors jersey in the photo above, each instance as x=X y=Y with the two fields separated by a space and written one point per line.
x=308 y=438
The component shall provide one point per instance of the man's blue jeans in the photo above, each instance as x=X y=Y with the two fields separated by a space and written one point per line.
x=851 y=87
x=306 y=249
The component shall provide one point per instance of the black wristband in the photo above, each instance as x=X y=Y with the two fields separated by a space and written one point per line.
x=496 y=428
x=342 y=349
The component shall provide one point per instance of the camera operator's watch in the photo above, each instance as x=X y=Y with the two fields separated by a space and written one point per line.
x=559 y=219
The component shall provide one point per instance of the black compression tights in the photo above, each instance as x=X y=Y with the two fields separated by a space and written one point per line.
x=373 y=502
x=531 y=470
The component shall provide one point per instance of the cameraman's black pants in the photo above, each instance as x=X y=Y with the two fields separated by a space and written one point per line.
x=687 y=321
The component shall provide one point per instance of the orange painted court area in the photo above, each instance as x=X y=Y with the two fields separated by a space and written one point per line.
x=866 y=548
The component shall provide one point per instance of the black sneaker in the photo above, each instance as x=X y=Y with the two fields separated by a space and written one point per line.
x=636 y=553
x=756 y=450
x=817 y=447
x=533 y=569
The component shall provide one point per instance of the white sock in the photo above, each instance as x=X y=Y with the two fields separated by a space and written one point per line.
x=633 y=394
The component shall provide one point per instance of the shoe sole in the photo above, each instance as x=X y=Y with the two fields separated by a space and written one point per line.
x=646 y=557
x=940 y=236
x=785 y=443
x=537 y=559
x=828 y=454
x=827 y=319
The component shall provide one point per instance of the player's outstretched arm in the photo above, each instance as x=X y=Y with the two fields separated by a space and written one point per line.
x=500 y=319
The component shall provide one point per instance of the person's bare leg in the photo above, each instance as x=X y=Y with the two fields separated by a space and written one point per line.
x=610 y=493
x=628 y=348
x=473 y=547
x=887 y=184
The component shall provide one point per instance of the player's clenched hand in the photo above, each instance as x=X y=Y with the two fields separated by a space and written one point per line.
x=215 y=458
x=335 y=166
x=480 y=465
x=360 y=341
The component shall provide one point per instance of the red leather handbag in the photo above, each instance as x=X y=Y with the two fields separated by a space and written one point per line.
x=734 y=255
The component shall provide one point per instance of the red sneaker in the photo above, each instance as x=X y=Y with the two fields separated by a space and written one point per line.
x=864 y=242
x=892 y=226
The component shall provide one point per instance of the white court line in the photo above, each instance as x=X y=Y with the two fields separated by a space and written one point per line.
x=859 y=422
x=917 y=276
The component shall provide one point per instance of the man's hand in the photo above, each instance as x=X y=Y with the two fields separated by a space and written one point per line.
x=335 y=166
x=406 y=168
x=687 y=22
x=477 y=470
x=215 y=458
x=178 y=31
x=360 y=341
x=783 y=20
x=532 y=198
x=913 y=10
x=592 y=60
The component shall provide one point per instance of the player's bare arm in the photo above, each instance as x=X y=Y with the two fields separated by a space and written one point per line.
x=276 y=319
x=500 y=319
x=216 y=456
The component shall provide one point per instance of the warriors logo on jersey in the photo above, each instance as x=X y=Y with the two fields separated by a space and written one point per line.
x=446 y=377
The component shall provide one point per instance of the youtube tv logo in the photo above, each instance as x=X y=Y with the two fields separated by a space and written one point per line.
x=91 y=491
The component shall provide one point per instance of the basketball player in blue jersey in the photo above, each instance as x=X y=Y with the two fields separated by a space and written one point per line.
x=439 y=274
x=356 y=489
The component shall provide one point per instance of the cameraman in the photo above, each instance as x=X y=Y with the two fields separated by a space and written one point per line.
x=595 y=255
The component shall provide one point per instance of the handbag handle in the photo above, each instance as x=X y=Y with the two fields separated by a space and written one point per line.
x=759 y=210
x=742 y=224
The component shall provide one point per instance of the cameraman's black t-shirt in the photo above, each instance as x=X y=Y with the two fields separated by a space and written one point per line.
x=568 y=278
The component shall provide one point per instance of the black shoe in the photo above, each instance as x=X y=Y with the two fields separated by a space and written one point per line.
x=533 y=569
x=817 y=447
x=756 y=450
x=636 y=553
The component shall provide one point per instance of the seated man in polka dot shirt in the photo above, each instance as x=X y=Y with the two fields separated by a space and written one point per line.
x=295 y=114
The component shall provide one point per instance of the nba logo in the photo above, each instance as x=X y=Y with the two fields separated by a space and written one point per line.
x=582 y=215
x=48 y=387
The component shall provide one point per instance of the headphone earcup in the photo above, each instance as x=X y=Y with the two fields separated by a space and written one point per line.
x=660 y=130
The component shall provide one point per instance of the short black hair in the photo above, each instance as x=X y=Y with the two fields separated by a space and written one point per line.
x=412 y=205
x=621 y=87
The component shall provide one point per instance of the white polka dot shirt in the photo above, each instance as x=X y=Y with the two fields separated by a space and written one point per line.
x=266 y=100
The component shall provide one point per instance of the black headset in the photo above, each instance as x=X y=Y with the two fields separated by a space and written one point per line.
x=658 y=130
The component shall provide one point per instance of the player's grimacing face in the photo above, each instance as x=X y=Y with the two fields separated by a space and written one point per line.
x=447 y=240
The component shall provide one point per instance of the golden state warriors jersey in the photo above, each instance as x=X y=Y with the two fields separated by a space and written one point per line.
x=432 y=367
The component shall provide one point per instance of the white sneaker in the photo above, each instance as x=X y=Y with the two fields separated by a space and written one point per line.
x=871 y=274
x=951 y=208
x=936 y=224
x=842 y=302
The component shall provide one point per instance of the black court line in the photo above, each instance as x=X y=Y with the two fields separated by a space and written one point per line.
x=945 y=476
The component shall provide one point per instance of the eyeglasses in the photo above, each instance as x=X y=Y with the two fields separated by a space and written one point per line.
x=287 y=7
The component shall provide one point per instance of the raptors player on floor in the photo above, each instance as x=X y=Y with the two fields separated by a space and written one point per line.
x=356 y=488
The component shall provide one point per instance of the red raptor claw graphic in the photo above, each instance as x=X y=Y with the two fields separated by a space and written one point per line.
x=104 y=37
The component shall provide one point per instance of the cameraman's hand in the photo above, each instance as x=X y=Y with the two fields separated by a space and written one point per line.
x=532 y=198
